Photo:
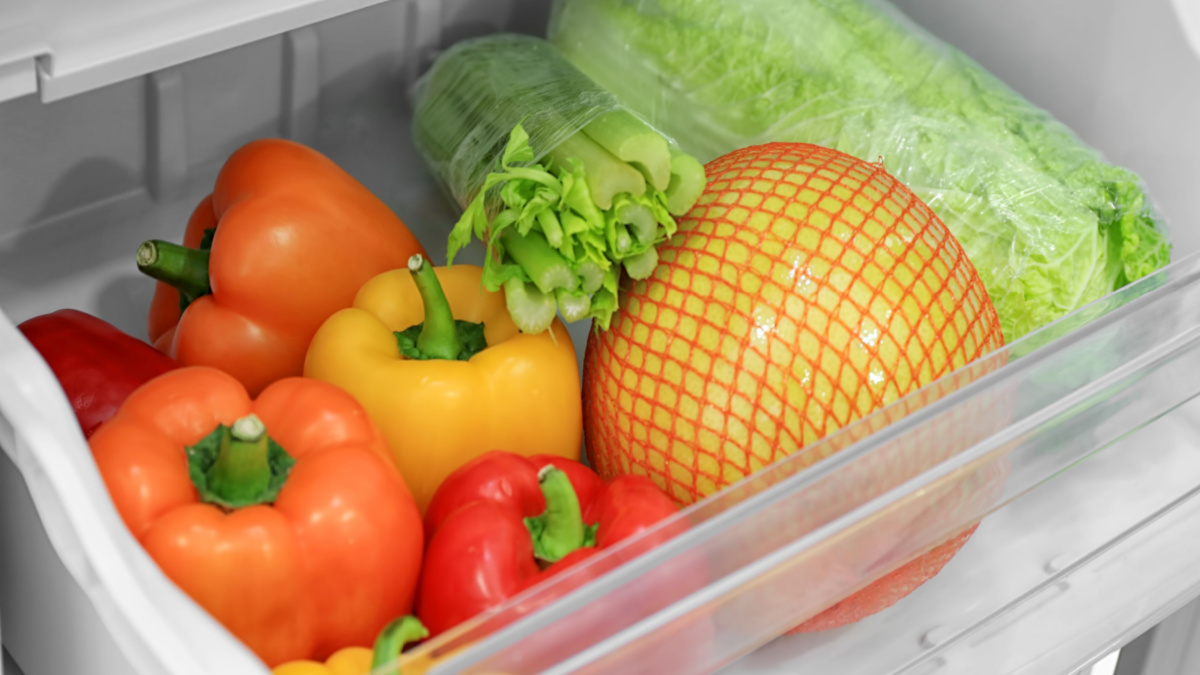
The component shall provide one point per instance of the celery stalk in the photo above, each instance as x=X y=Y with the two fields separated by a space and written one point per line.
x=531 y=310
x=551 y=228
x=591 y=275
x=607 y=176
x=640 y=219
x=605 y=300
x=574 y=306
x=632 y=140
x=547 y=269
x=622 y=242
x=687 y=183
x=641 y=266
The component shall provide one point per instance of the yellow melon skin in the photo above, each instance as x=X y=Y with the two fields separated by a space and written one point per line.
x=805 y=290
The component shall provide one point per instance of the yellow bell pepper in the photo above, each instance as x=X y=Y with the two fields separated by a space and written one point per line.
x=363 y=661
x=348 y=661
x=442 y=388
x=360 y=660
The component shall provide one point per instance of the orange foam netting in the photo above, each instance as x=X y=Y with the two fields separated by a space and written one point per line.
x=805 y=290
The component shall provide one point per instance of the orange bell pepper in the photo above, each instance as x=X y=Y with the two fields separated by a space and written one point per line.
x=285 y=240
x=301 y=542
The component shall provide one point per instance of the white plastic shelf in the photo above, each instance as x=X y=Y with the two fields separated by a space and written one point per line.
x=65 y=47
x=1049 y=584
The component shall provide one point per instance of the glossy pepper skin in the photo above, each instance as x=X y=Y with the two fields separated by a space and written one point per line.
x=519 y=391
x=364 y=661
x=298 y=561
x=97 y=365
x=481 y=550
x=361 y=660
x=293 y=239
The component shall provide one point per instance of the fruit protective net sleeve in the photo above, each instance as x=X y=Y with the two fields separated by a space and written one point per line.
x=1049 y=224
x=765 y=332
x=480 y=89
x=805 y=291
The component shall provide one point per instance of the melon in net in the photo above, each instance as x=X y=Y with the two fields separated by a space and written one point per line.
x=805 y=290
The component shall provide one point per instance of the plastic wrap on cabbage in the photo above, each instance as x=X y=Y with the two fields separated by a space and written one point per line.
x=566 y=187
x=1047 y=223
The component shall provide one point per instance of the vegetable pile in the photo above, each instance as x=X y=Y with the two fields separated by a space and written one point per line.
x=1049 y=226
x=566 y=188
x=334 y=444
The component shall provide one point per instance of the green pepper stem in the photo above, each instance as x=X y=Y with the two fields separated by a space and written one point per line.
x=559 y=530
x=184 y=268
x=242 y=470
x=392 y=639
x=439 y=333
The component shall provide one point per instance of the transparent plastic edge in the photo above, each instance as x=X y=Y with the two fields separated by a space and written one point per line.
x=1054 y=341
x=118 y=595
x=1081 y=405
x=1144 y=541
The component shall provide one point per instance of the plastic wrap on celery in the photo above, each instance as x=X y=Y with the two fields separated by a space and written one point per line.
x=1047 y=223
x=565 y=188
x=480 y=89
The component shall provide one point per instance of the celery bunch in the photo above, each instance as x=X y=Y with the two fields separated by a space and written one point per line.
x=564 y=187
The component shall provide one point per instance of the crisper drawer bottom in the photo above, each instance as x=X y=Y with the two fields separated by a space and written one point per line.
x=1054 y=580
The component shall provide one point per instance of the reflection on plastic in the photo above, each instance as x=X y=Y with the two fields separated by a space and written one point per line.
x=560 y=101
x=677 y=590
x=778 y=548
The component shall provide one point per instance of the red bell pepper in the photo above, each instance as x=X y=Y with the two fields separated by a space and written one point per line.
x=503 y=523
x=96 y=364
